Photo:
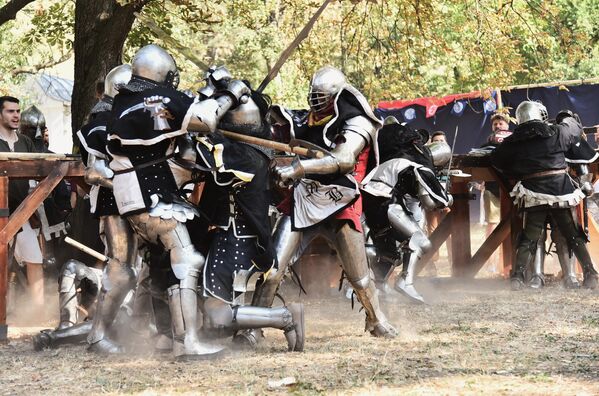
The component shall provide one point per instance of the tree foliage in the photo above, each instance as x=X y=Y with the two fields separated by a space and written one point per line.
x=388 y=48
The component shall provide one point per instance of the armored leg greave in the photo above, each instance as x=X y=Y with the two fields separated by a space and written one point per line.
x=183 y=308
x=70 y=335
x=537 y=276
x=73 y=273
x=567 y=261
x=534 y=224
x=118 y=279
x=222 y=320
x=290 y=319
x=67 y=300
x=577 y=244
x=289 y=245
x=382 y=267
x=162 y=320
x=142 y=302
x=350 y=247
x=406 y=227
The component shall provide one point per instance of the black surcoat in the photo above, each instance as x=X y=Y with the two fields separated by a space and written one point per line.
x=140 y=142
x=534 y=148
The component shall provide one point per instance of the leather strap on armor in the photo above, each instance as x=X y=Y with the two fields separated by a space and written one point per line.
x=544 y=173
x=145 y=164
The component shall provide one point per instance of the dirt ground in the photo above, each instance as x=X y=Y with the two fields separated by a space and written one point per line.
x=475 y=337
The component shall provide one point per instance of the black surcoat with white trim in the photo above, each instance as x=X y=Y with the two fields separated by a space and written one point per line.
x=235 y=199
x=140 y=141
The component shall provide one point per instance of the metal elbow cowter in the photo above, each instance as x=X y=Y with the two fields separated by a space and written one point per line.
x=204 y=116
x=449 y=200
x=427 y=202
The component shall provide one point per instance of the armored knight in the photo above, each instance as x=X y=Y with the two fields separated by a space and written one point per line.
x=115 y=232
x=147 y=117
x=75 y=276
x=577 y=158
x=325 y=199
x=536 y=156
x=33 y=124
x=53 y=212
x=235 y=200
x=396 y=191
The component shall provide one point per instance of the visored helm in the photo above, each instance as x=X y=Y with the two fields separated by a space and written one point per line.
x=531 y=111
x=325 y=84
x=155 y=64
x=115 y=79
x=33 y=123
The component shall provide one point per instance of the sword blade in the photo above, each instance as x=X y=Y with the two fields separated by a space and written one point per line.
x=291 y=47
x=455 y=139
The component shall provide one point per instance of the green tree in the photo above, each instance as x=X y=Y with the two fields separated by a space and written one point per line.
x=390 y=49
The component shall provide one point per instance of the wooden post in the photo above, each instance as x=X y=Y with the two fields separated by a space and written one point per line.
x=437 y=238
x=33 y=201
x=490 y=245
x=3 y=259
x=506 y=247
x=460 y=228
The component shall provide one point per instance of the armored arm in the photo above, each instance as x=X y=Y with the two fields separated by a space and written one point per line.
x=97 y=172
x=355 y=134
x=585 y=177
x=204 y=116
x=428 y=203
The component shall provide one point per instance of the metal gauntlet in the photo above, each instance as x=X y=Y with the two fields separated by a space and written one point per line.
x=98 y=173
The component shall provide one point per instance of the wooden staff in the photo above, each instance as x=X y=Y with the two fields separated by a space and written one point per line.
x=32 y=156
x=306 y=152
x=87 y=250
x=581 y=81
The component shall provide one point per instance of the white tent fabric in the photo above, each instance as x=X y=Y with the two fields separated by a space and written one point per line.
x=52 y=95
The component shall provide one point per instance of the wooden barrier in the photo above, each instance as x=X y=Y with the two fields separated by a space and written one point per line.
x=51 y=170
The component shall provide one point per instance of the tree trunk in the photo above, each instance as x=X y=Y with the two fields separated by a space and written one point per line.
x=101 y=27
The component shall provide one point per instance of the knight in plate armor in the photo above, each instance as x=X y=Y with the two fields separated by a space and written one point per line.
x=536 y=156
x=577 y=158
x=142 y=136
x=324 y=198
x=395 y=193
x=235 y=202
